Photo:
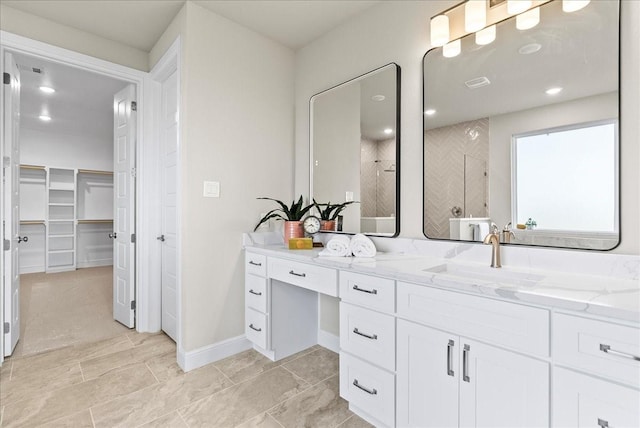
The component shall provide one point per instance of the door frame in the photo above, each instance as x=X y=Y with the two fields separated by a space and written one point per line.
x=147 y=310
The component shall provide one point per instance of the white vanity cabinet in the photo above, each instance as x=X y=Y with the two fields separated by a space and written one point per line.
x=583 y=349
x=448 y=379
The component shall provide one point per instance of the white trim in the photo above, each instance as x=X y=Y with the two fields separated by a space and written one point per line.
x=211 y=353
x=329 y=341
x=92 y=263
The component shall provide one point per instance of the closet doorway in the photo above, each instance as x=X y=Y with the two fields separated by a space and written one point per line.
x=76 y=206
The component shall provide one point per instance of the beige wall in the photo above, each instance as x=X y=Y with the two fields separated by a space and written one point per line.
x=43 y=30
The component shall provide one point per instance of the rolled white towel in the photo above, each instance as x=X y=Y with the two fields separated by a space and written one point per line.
x=362 y=246
x=338 y=246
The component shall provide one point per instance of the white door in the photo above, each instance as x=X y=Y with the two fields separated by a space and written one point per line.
x=168 y=237
x=501 y=388
x=427 y=380
x=11 y=191
x=124 y=135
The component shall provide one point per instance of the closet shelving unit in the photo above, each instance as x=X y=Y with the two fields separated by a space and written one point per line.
x=61 y=233
x=33 y=182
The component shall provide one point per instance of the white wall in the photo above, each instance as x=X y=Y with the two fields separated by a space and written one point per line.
x=237 y=128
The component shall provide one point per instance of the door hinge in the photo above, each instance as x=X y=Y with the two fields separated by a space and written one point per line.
x=6 y=246
x=133 y=305
x=133 y=238
x=6 y=78
x=133 y=172
x=7 y=328
x=134 y=106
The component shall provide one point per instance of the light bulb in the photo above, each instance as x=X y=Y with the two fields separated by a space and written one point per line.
x=486 y=36
x=452 y=49
x=517 y=6
x=44 y=118
x=439 y=30
x=475 y=15
x=529 y=19
x=47 y=90
x=573 y=5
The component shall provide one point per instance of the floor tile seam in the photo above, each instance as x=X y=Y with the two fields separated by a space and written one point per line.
x=151 y=420
x=81 y=372
x=182 y=418
x=345 y=421
x=93 y=421
x=40 y=373
x=225 y=375
x=298 y=376
x=129 y=362
x=306 y=354
x=326 y=379
x=154 y=375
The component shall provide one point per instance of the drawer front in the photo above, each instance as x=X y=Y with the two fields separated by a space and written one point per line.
x=369 y=335
x=584 y=401
x=316 y=278
x=367 y=387
x=500 y=323
x=256 y=292
x=255 y=264
x=370 y=291
x=581 y=343
x=257 y=327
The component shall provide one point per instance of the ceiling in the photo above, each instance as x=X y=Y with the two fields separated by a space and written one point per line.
x=139 y=23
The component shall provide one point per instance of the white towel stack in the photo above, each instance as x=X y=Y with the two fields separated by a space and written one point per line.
x=338 y=246
x=362 y=246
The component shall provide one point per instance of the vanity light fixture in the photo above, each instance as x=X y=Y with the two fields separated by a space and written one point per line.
x=528 y=19
x=378 y=97
x=486 y=35
x=388 y=131
x=475 y=15
x=517 y=6
x=439 y=30
x=44 y=118
x=430 y=112
x=47 y=89
x=452 y=49
x=553 y=91
x=573 y=5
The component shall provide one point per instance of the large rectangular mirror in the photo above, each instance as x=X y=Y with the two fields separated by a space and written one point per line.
x=523 y=132
x=355 y=151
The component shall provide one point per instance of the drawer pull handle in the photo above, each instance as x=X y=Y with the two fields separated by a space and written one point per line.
x=607 y=349
x=302 y=275
x=374 y=291
x=372 y=336
x=602 y=423
x=465 y=363
x=255 y=292
x=254 y=328
x=251 y=262
x=450 y=346
x=371 y=391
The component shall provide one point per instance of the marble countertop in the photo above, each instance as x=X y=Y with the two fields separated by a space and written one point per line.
x=601 y=295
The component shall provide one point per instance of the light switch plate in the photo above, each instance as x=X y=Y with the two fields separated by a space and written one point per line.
x=348 y=197
x=211 y=189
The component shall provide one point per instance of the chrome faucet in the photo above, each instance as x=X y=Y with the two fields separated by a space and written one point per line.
x=493 y=238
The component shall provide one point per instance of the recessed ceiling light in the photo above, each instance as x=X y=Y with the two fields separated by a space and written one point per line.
x=47 y=90
x=477 y=82
x=530 y=48
x=378 y=98
x=553 y=91
x=44 y=118
x=388 y=131
x=430 y=112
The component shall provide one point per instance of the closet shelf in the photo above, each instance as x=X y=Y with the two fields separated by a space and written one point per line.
x=94 y=221
x=59 y=220
x=94 y=171
x=59 y=204
x=61 y=251
x=68 y=187
x=31 y=222
x=26 y=166
x=51 y=235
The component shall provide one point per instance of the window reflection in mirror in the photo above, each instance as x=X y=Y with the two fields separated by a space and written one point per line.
x=476 y=103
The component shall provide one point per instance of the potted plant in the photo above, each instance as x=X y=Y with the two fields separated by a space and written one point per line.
x=330 y=213
x=292 y=217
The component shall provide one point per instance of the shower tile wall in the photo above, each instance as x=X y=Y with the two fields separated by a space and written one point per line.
x=445 y=151
x=377 y=187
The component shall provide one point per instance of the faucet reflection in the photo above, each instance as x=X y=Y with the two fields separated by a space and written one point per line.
x=493 y=239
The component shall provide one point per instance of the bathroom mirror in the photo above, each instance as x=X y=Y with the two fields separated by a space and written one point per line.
x=355 y=151
x=524 y=131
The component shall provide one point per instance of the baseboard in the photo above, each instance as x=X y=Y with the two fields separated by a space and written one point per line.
x=189 y=360
x=94 y=263
x=31 y=269
x=329 y=341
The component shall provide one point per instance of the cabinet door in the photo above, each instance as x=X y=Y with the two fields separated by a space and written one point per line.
x=427 y=377
x=584 y=401
x=502 y=389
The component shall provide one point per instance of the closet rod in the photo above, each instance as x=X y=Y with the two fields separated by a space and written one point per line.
x=94 y=171
x=25 y=166
x=31 y=221
x=94 y=221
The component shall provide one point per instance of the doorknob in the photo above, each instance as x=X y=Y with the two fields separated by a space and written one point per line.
x=160 y=238
x=23 y=239
x=113 y=235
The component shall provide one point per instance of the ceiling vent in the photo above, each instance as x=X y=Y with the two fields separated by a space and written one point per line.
x=478 y=82
x=31 y=69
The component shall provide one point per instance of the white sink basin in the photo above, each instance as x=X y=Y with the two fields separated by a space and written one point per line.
x=482 y=273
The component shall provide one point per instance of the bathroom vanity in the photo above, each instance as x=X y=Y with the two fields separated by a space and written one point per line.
x=429 y=342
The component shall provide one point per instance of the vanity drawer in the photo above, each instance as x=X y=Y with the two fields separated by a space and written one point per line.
x=315 y=278
x=371 y=291
x=256 y=327
x=505 y=324
x=581 y=343
x=255 y=264
x=256 y=292
x=369 y=335
x=369 y=388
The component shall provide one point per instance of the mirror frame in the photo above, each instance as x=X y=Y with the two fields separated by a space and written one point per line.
x=618 y=193
x=397 y=137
